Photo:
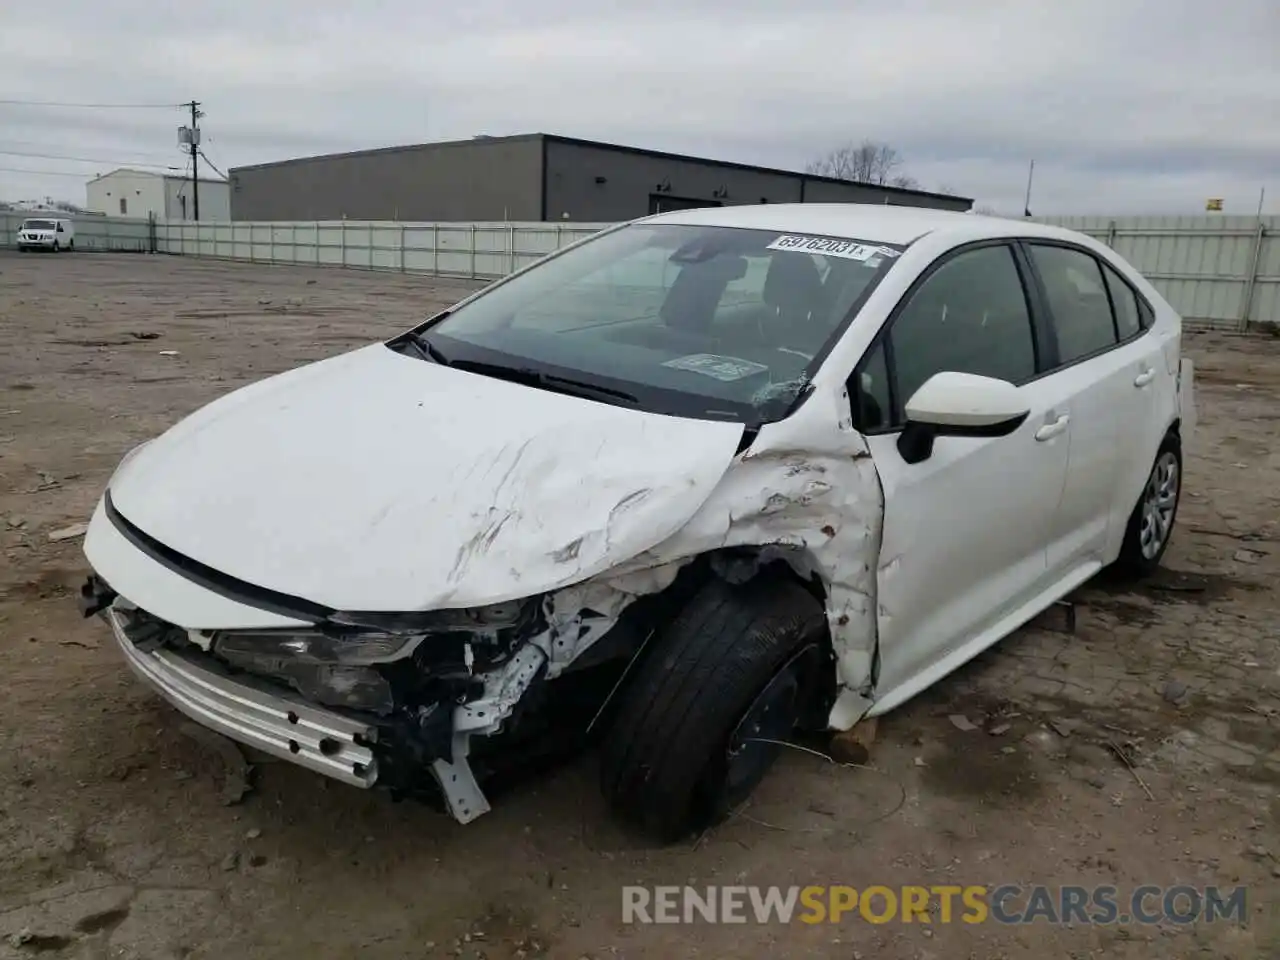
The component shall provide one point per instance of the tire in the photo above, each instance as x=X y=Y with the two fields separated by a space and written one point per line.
x=56 y=248
x=736 y=662
x=1150 y=525
x=71 y=245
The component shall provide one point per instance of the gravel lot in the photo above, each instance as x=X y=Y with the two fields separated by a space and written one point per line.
x=114 y=840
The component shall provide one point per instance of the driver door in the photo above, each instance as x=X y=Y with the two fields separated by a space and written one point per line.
x=966 y=530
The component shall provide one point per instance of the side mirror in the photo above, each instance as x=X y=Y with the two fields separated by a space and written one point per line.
x=951 y=404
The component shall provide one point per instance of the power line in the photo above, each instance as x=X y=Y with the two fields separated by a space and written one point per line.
x=205 y=156
x=6 y=143
x=59 y=156
x=93 y=106
x=43 y=173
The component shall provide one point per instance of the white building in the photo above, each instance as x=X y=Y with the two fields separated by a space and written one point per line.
x=141 y=193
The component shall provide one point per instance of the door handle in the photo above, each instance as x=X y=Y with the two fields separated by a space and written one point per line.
x=1051 y=430
x=1145 y=377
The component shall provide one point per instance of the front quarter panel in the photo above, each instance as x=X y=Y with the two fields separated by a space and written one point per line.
x=807 y=489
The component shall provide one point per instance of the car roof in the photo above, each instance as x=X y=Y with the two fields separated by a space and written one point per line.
x=881 y=223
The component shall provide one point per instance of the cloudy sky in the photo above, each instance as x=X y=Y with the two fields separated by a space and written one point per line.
x=1127 y=106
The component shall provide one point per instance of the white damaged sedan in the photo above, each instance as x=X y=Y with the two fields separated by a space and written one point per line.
x=684 y=487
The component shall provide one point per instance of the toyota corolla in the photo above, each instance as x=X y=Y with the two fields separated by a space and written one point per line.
x=682 y=488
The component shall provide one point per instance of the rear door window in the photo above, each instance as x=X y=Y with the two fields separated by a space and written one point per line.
x=1078 y=300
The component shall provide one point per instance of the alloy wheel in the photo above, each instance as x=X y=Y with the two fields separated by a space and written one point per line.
x=1158 y=502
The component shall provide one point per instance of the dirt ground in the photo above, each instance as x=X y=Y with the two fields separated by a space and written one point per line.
x=114 y=841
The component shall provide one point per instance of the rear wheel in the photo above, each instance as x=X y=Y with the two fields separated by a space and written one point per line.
x=1151 y=524
x=736 y=668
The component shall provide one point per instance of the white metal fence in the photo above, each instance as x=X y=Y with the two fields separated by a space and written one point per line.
x=1222 y=270
x=1218 y=270
x=472 y=250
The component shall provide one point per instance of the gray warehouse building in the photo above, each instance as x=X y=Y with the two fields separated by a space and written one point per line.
x=527 y=178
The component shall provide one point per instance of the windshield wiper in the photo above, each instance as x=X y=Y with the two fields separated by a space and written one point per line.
x=425 y=347
x=547 y=381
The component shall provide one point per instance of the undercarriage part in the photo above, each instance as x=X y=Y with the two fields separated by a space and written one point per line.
x=854 y=745
x=462 y=793
x=1068 y=608
x=503 y=689
x=95 y=596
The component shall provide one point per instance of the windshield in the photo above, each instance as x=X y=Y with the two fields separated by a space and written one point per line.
x=711 y=322
x=36 y=225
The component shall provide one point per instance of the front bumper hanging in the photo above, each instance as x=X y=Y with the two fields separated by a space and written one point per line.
x=272 y=721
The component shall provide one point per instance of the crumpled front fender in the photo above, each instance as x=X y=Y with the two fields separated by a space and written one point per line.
x=808 y=487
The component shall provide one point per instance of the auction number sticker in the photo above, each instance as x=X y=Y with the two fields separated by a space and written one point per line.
x=830 y=247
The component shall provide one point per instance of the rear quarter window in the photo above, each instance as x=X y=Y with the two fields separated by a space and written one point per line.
x=1125 y=303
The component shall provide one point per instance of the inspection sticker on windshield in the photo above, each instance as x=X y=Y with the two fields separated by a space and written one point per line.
x=830 y=247
x=719 y=368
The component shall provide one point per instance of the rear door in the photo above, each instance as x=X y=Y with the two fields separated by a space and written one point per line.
x=1144 y=427
x=965 y=530
x=1110 y=365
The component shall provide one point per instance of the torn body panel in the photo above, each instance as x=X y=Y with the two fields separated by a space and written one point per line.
x=808 y=488
x=806 y=492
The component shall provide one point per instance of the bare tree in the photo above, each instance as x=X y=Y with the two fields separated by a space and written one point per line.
x=867 y=162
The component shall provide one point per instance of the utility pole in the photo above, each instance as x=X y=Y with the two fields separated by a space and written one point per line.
x=195 y=154
x=1026 y=204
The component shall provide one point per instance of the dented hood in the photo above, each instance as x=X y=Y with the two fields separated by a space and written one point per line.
x=379 y=482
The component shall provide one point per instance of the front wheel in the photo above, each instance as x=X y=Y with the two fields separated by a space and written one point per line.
x=1151 y=524
x=735 y=669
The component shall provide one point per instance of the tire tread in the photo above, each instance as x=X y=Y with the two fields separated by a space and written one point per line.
x=701 y=673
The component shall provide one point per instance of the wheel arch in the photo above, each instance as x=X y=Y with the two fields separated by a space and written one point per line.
x=749 y=564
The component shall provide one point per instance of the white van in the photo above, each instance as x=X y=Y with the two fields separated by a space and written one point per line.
x=40 y=233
